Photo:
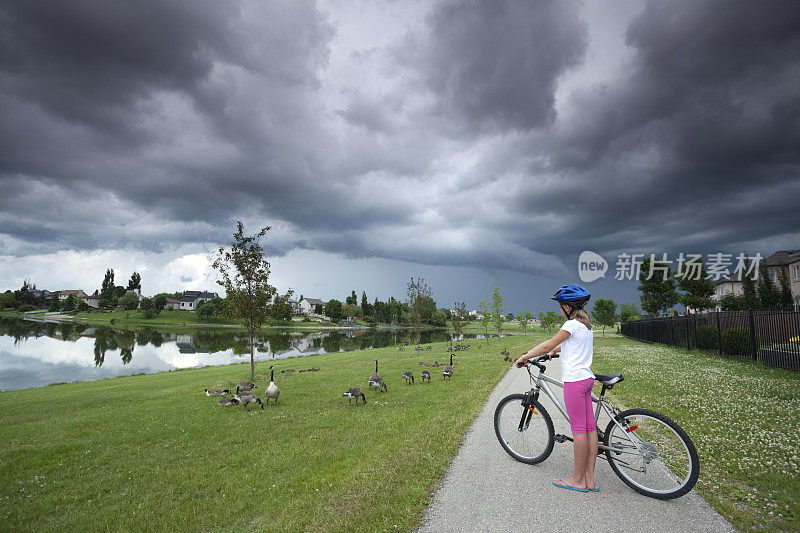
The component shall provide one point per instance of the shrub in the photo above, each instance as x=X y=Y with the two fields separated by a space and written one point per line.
x=736 y=341
x=149 y=312
x=706 y=337
x=26 y=307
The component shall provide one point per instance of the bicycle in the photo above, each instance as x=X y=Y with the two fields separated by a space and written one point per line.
x=652 y=454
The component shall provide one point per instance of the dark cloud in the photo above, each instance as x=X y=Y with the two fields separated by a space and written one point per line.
x=493 y=66
x=157 y=124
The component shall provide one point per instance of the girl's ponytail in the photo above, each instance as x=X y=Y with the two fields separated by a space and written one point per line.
x=583 y=317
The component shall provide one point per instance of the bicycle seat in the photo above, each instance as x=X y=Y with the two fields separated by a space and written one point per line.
x=608 y=379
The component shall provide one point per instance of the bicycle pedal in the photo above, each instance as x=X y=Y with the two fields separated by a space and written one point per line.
x=562 y=438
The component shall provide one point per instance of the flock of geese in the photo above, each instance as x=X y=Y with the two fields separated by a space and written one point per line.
x=244 y=389
x=377 y=382
x=244 y=393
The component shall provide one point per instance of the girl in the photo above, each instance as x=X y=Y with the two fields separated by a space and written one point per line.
x=574 y=341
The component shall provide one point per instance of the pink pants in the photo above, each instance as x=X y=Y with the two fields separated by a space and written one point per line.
x=578 y=401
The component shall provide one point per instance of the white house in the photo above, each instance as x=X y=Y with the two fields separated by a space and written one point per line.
x=192 y=299
x=307 y=305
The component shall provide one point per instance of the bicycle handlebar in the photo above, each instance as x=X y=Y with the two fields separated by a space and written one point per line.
x=537 y=361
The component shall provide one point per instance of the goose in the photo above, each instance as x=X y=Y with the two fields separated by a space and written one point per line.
x=216 y=392
x=408 y=376
x=426 y=374
x=247 y=397
x=272 y=391
x=245 y=386
x=354 y=392
x=447 y=372
x=375 y=376
x=228 y=401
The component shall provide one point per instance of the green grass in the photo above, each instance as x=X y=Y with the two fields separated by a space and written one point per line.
x=153 y=452
x=742 y=416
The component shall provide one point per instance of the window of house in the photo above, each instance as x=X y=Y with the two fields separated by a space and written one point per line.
x=796 y=272
x=773 y=276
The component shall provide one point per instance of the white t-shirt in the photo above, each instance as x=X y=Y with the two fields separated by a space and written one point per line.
x=576 y=352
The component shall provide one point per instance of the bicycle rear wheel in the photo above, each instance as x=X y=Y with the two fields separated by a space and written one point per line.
x=526 y=434
x=652 y=454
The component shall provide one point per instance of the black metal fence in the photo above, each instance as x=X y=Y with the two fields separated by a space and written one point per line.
x=772 y=337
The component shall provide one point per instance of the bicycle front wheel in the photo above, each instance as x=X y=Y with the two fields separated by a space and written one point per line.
x=652 y=454
x=526 y=433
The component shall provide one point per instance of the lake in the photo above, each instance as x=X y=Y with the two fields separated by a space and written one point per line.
x=34 y=354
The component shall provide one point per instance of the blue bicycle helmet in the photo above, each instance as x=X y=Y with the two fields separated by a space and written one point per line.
x=573 y=295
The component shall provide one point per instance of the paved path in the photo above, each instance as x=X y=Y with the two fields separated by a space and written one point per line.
x=486 y=490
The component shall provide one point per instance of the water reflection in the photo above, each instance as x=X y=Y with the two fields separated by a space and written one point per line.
x=37 y=353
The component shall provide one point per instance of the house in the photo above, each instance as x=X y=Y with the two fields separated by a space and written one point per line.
x=93 y=300
x=789 y=262
x=192 y=299
x=725 y=284
x=172 y=303
x=63 y=295
x=307 y=305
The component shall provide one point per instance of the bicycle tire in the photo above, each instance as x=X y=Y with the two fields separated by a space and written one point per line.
x=526 y=446
x=667 y=465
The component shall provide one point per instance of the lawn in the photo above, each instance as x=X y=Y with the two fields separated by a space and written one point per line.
x=153 y=452
x=742 y=416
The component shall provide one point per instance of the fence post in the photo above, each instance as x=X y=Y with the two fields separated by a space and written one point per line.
x=672 y=322
x=686 y=331
x=753 y=334
x=719 y=335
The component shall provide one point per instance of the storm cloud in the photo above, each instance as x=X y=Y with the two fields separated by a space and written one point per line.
x=481 y=134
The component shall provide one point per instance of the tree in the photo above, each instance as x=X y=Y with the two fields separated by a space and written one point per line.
x=135 y=283
x=25 y=294
x=160 y=301
x=366 y=308
x=459 y=316
x=352 y=299
x=55 y=304
x=245 y=278
x=697 y=286
x=486 y=314
x=351 y=311
x=69 y=303
x=82 y=306
x=730 y=301
x=785 y=299
x=550 y=320
x=205 y=310
x=524 y=318
x=497 y=309
x=318 y=309
x=107 y=290
x=768 y=295
x=604 y=313
x=628 y=312
x=510 y=317
x=749 y=290
x=129 y=301
x=417 y=294
x=333 y=309
x=658 y=294
x=149 y=308
x=281 y=309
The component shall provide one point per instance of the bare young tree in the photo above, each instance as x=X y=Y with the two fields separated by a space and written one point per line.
x=459 y=317
x=245 y=275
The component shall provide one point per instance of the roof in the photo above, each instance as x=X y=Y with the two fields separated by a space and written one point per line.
x=730 y=278
x=783 y=257
x=72 y=291
x=94 y=297
x=313 y=301
x=191 y=296
x=173 y=301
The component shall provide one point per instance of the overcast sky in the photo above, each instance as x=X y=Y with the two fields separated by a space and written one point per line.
x=470 y=143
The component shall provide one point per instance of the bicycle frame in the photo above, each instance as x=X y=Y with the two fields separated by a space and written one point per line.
x=541 y=383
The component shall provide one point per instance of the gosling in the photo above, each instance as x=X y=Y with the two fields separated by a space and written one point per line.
x=354 y=392
x=378 y=384
x=216 y=392
x=244 y=386
x=409 y=377
x=247 y=397
x=426 y=374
